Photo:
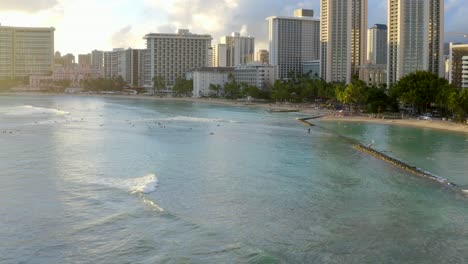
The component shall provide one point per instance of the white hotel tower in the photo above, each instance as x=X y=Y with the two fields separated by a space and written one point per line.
x=26 y=51
x=415 y=37
x=294 y=41
x=171 y=56
x=343 y=38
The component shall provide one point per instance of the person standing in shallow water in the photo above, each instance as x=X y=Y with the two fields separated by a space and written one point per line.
x=309 y=130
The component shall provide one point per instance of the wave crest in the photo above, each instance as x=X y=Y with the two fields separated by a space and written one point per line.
x=146 y=184
x=33 y=110
x=198 y=119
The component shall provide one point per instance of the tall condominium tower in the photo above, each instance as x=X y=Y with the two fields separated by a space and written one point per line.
x=415 y=37
x=26 y=51
x=234 y=50
x=293 y=41
x=97 y=60
x=173 y=55
x=343 y=38
x=377 y=44
x=111 y=62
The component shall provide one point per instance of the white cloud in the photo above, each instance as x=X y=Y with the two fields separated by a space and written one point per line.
x=27 y=5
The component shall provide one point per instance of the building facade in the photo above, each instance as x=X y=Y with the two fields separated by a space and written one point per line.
x=293 y=41
x=312 y=68
x=256 y=74
x=235 y=50
x=373 y=74
x=377 y=44
x=219 y=55
x=97 y=60
x=206 y=76
x=112 y=63
x=84 y=60
x=262 y=56
x=131 y=66
x=458 y=65
x=75 y=74
x=26 y=51
x=415 y=37
x=68 y=59
x=173 y=55
x=343 y=38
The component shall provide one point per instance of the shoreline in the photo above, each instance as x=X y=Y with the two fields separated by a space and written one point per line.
x=430 y=124
x=311 y=109
x=273 y=107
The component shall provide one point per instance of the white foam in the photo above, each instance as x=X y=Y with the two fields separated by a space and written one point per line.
x=140 y=185
x=146 y=184
x=32 y=110
x=198 y=119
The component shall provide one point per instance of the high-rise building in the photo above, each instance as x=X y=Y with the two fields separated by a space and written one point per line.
x=26 y=51
x=68 y=59
x=235 y=50
x=263 y=56
x=377 y=44
x=130 y=66
x=97 y=60
x=343 y=38
x=458 y=65
x=84 y=60
x=293 y=41
x=173 y=55
x=210 y=57
x=219 y=55
x=111 y=63
x=415 y=37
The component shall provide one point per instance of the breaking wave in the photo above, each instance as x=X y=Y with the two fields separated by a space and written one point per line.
x=33 y=110
x=198 y=119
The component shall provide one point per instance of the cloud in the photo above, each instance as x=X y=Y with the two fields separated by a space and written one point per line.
x=123 y=38
x=30 y=6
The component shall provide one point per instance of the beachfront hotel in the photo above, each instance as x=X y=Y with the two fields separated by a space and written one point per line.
x=293 y=41
x=173 y=55
x=458 y=65
x=26 y=51
x=343 y=32
x=234 y=50
x=415 y=37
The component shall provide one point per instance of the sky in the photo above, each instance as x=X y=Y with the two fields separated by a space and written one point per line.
x=84 y=25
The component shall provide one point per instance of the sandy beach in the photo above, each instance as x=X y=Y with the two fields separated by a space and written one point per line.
x=432 y=124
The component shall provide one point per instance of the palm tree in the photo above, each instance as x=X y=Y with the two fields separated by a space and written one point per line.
x=158 y=84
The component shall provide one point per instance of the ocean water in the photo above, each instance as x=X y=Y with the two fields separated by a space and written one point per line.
x=101 y=180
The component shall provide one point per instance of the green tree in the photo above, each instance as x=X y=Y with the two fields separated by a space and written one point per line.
x=215 y=88
x=119 y=83
x=158 y=84
x=183 y=87
x=280 y=91
x=353 y=95
x=232 y=89
x=420 y=89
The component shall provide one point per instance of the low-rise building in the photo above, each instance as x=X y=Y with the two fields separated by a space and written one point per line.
x=75 y=74
x=373 y=74
x=260 y=75
x=206 y=76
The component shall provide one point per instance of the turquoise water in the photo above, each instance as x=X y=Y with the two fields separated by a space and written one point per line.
x=95 y=180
